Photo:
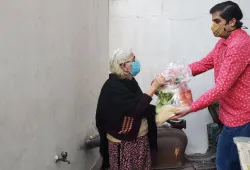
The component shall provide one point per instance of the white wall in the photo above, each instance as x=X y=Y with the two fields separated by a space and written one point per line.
x=53 y=62
x=162 y=31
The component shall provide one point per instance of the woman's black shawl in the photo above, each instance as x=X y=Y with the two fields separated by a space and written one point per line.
x=120 y=109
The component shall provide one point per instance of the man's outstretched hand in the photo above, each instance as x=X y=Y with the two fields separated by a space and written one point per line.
x=181 y=112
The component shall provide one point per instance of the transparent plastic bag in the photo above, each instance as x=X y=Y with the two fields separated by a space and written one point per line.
x=178 y=96
x=176 y=73
x=176 y=92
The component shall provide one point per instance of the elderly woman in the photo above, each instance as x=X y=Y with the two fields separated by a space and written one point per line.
x=124 y=116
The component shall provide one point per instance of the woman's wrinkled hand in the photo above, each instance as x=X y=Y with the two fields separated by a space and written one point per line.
x=158 y=82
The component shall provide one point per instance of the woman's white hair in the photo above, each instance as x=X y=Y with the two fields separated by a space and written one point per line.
x=119 y=57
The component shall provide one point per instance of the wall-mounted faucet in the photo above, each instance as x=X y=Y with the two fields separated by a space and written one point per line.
x=63 y=158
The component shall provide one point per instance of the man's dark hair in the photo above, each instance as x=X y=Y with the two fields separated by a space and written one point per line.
x=229 y=10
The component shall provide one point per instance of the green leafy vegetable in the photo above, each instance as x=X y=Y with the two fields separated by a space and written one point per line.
x=165 y=97
x=158 y=107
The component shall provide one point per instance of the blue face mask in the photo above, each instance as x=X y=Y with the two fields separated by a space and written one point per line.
x=136 y=67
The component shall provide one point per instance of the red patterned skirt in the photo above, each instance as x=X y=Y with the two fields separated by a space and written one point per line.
x=130 y=155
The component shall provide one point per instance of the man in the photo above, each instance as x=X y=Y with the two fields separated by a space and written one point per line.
x=230 y=60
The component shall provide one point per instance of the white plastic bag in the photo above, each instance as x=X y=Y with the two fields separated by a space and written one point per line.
x=243 y=146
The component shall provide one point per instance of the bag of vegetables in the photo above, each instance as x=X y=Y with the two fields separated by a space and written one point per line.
x=175 y=93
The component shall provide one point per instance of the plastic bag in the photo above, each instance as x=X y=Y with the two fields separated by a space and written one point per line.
x=176 y=92
x=179 y=96
x=176 y=73
x=243 y=146
x=166 y=112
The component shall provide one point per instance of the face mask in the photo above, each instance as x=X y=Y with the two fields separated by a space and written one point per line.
x=136 y=67
x=219 y=30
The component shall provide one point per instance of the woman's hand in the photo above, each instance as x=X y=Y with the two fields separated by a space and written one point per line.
x=155 y=84
x=158 y=82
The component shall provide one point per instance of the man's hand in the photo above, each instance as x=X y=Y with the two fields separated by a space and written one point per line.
x=183 y=111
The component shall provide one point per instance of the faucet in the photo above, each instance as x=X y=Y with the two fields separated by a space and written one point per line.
x=63 y=158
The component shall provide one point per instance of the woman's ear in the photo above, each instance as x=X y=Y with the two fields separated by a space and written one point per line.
x=124 y=68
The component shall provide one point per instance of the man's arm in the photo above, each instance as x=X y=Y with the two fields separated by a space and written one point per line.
x=206 y=63
x=235 y=62
x=203 y=65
